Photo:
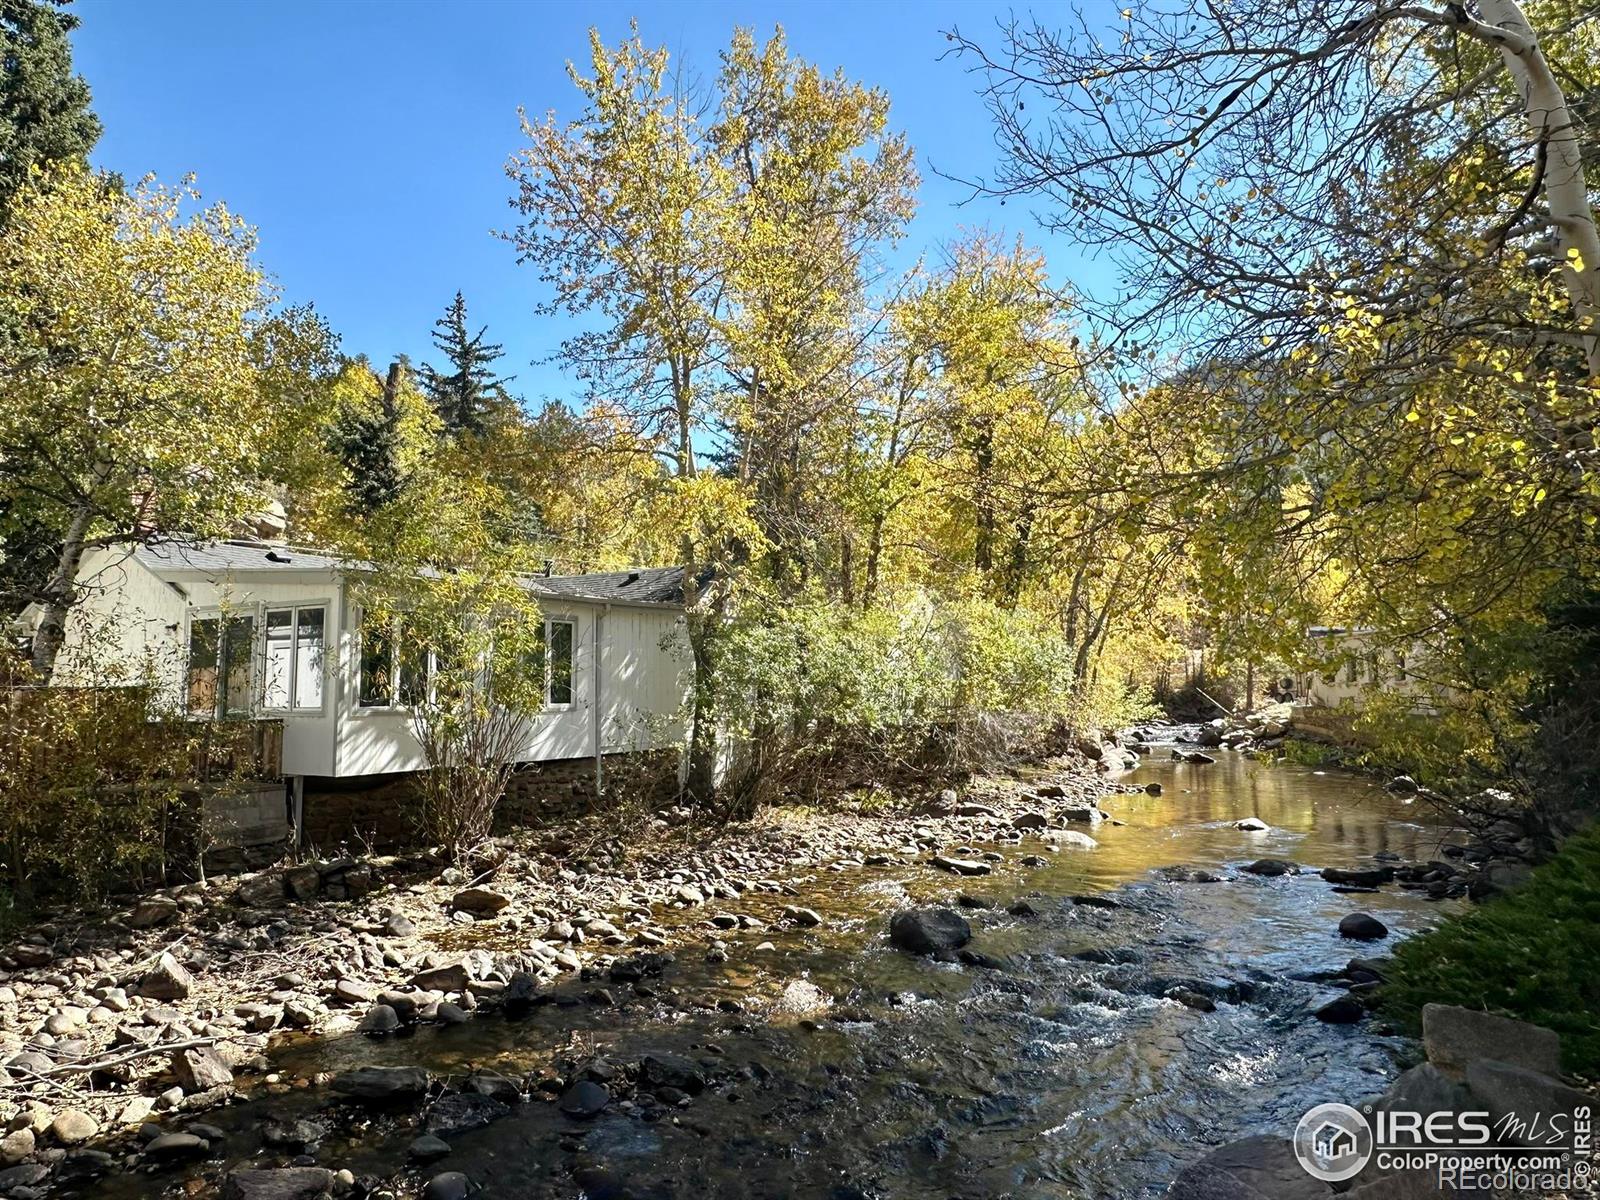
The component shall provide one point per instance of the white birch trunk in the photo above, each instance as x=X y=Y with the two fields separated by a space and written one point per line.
x=1505 y=26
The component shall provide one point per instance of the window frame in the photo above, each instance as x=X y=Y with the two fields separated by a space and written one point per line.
x=293 y=608
x=569 y=619
x=223 y=616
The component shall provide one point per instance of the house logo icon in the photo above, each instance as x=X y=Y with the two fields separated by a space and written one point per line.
x=1333 y=1142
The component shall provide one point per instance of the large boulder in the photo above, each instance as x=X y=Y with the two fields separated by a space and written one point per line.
x=199 y=1069
x=382 y=1084
x=1256 y=1168
x=929 y=930
x=1363 y=927
x=1425 y=1089
x=167 y=980
x=1455 y=1038
x=1539 y=1102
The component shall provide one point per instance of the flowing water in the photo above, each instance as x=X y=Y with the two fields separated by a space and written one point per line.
x=1066 y=1075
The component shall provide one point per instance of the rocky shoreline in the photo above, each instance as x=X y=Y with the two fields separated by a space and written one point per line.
x=118 y=1026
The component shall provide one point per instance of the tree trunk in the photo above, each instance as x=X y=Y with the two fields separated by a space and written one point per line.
x=60 y=593
x=1505 y=27
x=700 y=783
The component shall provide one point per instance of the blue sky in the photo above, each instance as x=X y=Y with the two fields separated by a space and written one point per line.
x=367 y=140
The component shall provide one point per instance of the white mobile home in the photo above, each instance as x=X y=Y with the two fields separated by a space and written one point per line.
x=241 y=630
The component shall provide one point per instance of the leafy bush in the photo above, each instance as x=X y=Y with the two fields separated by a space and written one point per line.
x=1533 y=954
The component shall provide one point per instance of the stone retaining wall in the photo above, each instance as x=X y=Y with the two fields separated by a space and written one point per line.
x=380 y=811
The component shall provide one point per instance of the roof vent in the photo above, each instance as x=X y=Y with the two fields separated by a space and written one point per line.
x=633 y=577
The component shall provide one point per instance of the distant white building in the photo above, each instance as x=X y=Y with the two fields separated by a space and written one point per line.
x=1358 y=665
x=250 y=630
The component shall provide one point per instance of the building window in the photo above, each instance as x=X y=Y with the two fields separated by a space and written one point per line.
x=219 y=674
x=555 y=658
x=395 y=668
x=293 y=641
x=379 y=645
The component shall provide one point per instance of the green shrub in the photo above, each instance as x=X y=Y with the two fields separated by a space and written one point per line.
x=1533 y=954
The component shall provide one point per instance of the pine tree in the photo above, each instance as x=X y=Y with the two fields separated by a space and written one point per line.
x=464 y=395
x=44 y=108
x=366 y=439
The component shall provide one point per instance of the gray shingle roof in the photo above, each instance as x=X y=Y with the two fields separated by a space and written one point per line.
x=231 y=556
x=645 y=585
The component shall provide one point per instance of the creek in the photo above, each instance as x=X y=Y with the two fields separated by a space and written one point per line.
x=1067 y=1074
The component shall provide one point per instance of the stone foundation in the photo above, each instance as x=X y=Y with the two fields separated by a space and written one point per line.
x=379 y=811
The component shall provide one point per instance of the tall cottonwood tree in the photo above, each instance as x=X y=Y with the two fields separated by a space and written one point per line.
x=1360 y=260
x=719 y=257
x=145 y=377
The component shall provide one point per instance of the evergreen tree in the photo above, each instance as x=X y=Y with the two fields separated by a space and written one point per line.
x=465 y=393
x=44 y=108
x=366 y=438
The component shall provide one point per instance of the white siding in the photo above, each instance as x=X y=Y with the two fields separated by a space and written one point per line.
x=132 y=614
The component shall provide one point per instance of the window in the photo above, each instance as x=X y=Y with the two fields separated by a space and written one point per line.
x=219 y=675
x=293 y=642
x=395 y=668
x=555 y=655
x=378 y=647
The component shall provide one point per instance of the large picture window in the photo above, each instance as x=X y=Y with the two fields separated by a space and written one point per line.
x=292 y=670
x=220 y=677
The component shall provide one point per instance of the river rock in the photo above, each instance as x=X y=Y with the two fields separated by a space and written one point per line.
x=72 y=1126
x=929 y=930
x=199 y=1069
x=1376 y=877
x=1255 y=1168
x=451 y=1185
x=1426 y=1089
x=16 y=1146
x=278 y=1183
x=427 y=1149
x=1455 y=1038
x=660 y=1070
x=960 y=866
x=584 y=1099
x=1070 y=838
x=480 y=901
x=1189 y=875
x=1030 y=820
x=1252 y=825
x=157 y=910
x=167 y=980
x=1344 y=1010
x=171 y=1146
x=13 y=1180
x=261 y=891
x=1272 y=867
x=380 y=1019
x=806 y=918
x=462 y=1112
x=452 y=977
x=1363 y=927
x=381 y=1084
